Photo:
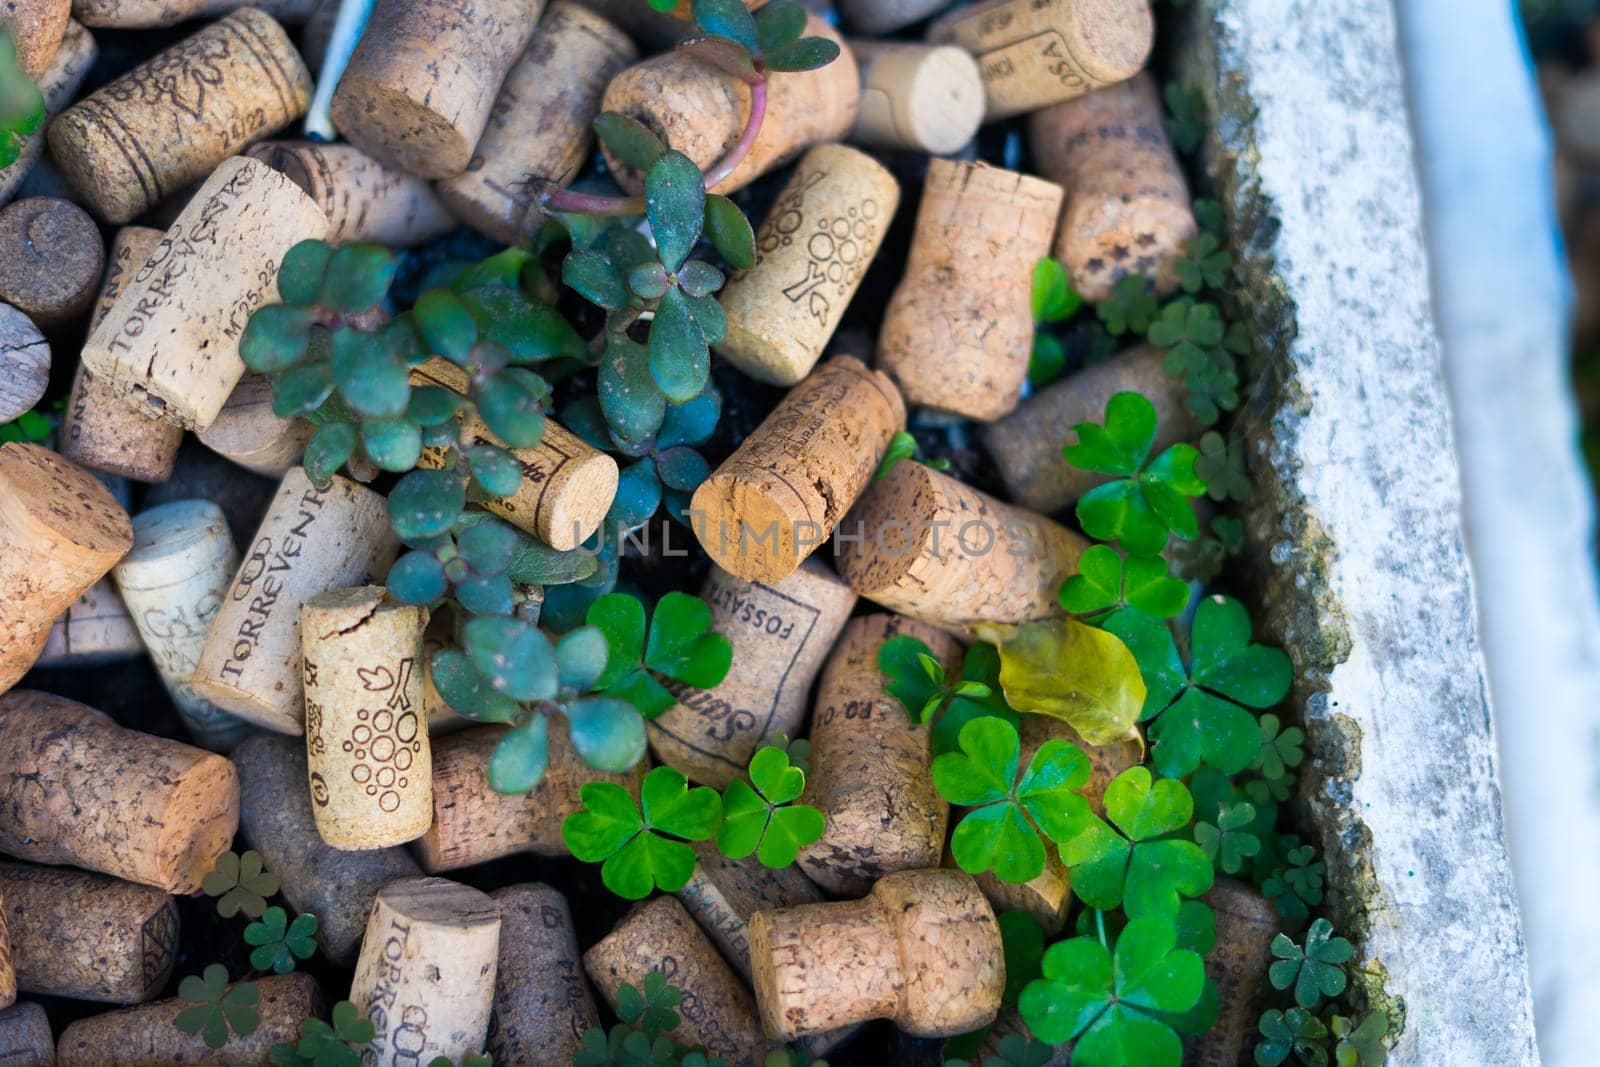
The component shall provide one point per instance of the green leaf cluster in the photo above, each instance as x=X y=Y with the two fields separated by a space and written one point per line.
x=647 y=1016
x=241 y=883
x=1130 y=859
x=217 y=1009
x=916 y=679
x=21 y=103
x=764 y=820
x=278 y=943
x=325 y=1045
x=1148 y=496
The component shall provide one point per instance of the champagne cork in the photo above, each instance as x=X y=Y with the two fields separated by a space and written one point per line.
x=174 y=580
x=311 y=540
x=1246 y=925
x=780 y=632
x=276 y=818
x=50 y=259
x=371 y=769
x=148 y=1036
x=86 y=936
x=779 y=496
x=716 y=1010
x=1026 y=445
x=419 y=87
x=542 y=1003
x=77 y=788
x=811 y=252
x=923 y=949
x=58 y=85
x=170 y=343
x=1127 y=205
x=567 y=486
x=25 y=369
x=173 y=119
x=94 y=631
x=474 y=824
x=1035 y=53
x=36 y=29
x=871 y=770
x=701 y=111
x=957 y=331
x=917 y=97
x=98 y=429
x=60 y=532
x=540 y=126
x=152 y=14
x=363 y=199
x=885 y=16
x=25 y=1037
x=934 y=548
x=248 y=432
x=426 y=974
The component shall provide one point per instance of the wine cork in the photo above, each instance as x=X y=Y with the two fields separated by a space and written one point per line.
x=363 y=199
x=885 y=16
x=36 y=29
x=542 y=1003
x=474 y=824
x=170 y=343
x=539 y=129
x=50 y=259
x=923 y=949
x=567 y=486
x=148 y=1036
x=60 y=532
x=248 y=432
x=174 y=580
x=933 y=548
x=917 y=97
x=58 y=85
x=311 y=540
x=94 y=631
x=419 y=87
x=371 y=769
x=276 y=818
x=779 y=496
x=1105 y=761
x=871 y=770
x=8 y=972
x=442 y=718
x=86 y=936
x=1026 y=445
x=152 y=14
x=1035 y=53
x=25 y=1037
x=1127 y=205
x=716 y=1010
x=957 y=331
x=780 y=632
x=426 y=974
x=811 y=252
x=77 y=788
x=1246 y=925
x=175 y=118
x=701 y=111
x=97 y=428
x=1047 y=896
x=25 y=369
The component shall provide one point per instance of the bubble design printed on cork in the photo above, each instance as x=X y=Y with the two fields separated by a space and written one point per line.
x=384 y=741
x=838 y=248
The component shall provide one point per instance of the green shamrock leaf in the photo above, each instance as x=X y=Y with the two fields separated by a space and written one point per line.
x=279 y=942
x=977 y=695
x=1136 y=864
x=638 y=852
x=1148 y=497
x=1227 y=843
x=1221 y=465
x=764 y=820
x=1360 y=1045
x=1054 y=299
x=1022 y=942
x=915 y=677
x=1295 y=887
x=1204 y=263
x=1131 y=307
x=649 y=1007
x=218 y=1007
x=1291 y=1033
x=1001 y=831
x=1316 y=970
x=1106 y=582
x=679 y=645
x=1200 y=712
x=1280 y=748
x=1112 y=1006
x=241 y=882
x=321 y=1045
x=1187 y=122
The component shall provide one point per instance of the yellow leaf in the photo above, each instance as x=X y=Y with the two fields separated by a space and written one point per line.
x=1073 y=672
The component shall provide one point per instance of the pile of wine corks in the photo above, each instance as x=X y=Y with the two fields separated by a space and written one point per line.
x=169 y=518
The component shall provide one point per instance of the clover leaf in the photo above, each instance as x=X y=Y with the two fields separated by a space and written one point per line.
x=1054 y=298
x=218 y=1007
x=1199 y=712
x=649 y=1007
x=242 y=883
x=1296 y=887
x=1315 y=970
x=1112 y=1005
x=638 y=852
x=22 y=105
x=1204 y=263
x=1360 y=1045
x=279 y=942
x=1187 y=122
x=916 y=679
x=679 y=645
x=1280 y=748
x=1227 y=843
x=1149 y=496
x=1136 y=864
x=1295 y=1033
x=1221 y=466
x=764 y=820
x=1022 y=944
x=322 y=1045
x=1130 y=308
x=1106 y=581
x=1001 y=831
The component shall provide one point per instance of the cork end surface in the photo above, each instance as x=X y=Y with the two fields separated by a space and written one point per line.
x=63 y=502
x=579 y=495
x=53 y=261
x=200 y=821
x=170 y=529
x=891 y=546
x=389 y=125
x=946 y=100
x=440 y=902
x=26 y=373
x=1114 y=37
